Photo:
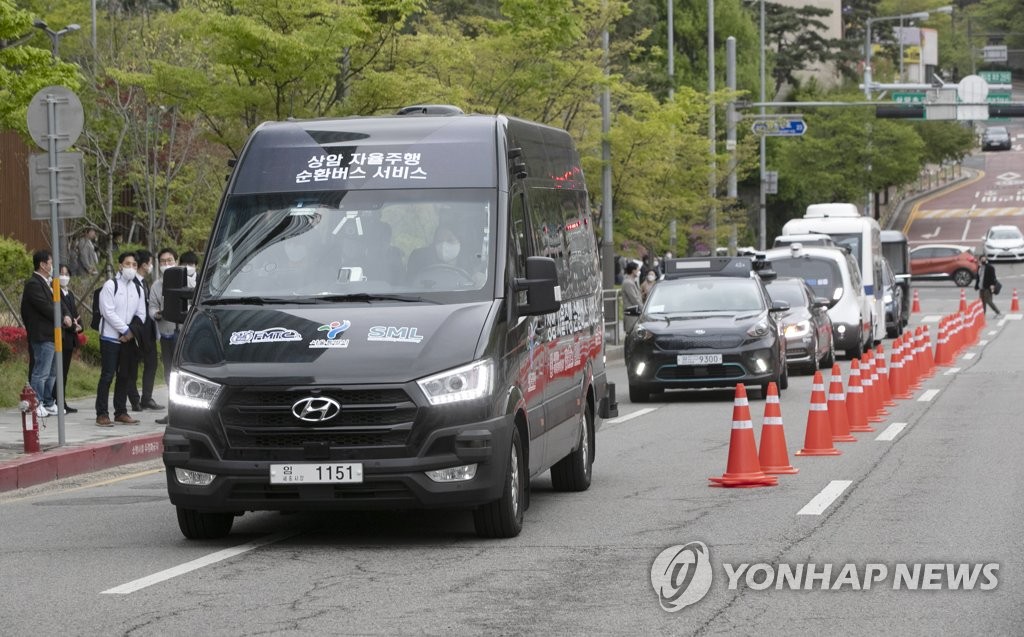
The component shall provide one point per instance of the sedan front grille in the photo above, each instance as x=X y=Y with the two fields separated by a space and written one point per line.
x=676 y=343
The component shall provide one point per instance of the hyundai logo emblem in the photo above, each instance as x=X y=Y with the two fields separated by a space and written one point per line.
x=316 y=409
x=699 y=331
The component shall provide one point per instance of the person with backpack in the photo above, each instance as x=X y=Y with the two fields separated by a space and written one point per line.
x=122 y=302
x=146 y=354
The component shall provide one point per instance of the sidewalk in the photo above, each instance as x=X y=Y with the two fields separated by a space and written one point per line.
x=87 y=447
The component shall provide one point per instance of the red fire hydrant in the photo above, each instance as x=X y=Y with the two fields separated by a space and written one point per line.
x=29 y=422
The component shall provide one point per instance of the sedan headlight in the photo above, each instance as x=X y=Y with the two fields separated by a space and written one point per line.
x=796 y=330
x=758 y=330
x=642 y=333
x=468 y=382
x=189 y=390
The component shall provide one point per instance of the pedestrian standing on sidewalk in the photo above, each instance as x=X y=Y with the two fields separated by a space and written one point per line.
x=72 y=327
x=121 y=301
x=166 y=258
x=631 y=296
x=985 y=281
x=147 y=340
x=37 y=315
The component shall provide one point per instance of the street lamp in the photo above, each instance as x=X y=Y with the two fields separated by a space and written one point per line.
x=55 y=36
x=920 y=15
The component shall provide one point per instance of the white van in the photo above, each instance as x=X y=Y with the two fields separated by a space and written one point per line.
x=862 y=236
x=833 y=274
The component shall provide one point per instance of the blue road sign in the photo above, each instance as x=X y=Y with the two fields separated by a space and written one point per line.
x=780 y=127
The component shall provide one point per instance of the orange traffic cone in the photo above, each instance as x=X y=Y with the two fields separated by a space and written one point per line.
x=916 y=307
x=1014 y=302
x=743 y=468
x=943 y=355
x=773 y=454
x=837 y=408
x=856 y=408
x=963 y=301
x=818 y=437
x=884 y=391
x=929 y=355
x=897 y=386
x=869 y=381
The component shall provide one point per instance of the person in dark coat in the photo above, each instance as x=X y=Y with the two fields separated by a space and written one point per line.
x=985 y=282
x=72 y=327
x=37 y=315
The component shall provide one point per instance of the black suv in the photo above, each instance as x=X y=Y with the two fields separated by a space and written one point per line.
x=709 y=323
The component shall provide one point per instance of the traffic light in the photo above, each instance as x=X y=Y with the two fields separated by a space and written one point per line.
x=900 y=111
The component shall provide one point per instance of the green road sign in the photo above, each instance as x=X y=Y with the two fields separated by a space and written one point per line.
x=995 y=77
x=999 y=97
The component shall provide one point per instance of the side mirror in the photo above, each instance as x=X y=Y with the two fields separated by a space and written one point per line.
x=177 y=294
x=779 y=306
x=820 y=301
x=543 y=296
x=632 y=310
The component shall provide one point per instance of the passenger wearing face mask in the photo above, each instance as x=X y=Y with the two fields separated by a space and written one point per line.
x=147 y=336
x=648 y=284
x=166 y=258
x=72 y=327
x=121 y=299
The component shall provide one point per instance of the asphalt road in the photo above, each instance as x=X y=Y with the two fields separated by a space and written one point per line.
x=103 y=555
x=937 y=484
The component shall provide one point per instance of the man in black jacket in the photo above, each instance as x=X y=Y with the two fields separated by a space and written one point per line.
x=985 y=280
x=37 y=315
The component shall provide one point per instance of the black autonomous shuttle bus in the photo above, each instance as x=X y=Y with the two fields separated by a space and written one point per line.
x=394 y=312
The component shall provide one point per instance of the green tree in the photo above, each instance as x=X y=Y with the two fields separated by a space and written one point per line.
x=25 y=69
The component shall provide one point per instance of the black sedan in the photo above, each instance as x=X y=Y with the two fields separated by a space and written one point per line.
x=706 y=331
x=996 y=138
x=806 y=325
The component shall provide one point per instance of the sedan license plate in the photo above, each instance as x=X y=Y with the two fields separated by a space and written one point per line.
x=316 y=473
x=699 y=359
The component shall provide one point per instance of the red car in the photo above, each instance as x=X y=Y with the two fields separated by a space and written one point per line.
x=944 y=261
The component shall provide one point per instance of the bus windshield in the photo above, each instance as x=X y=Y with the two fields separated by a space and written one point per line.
x=852 y=242
x=433 y=243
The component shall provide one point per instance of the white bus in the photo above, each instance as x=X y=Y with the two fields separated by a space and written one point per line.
x=862 y=236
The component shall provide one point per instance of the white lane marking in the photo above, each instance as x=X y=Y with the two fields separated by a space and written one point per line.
x=983 y=342
x=931 y=318
x=188 y=567
x=827 y=496
x=1014 y=317
x=630 y=416
x=891 y=431
x=951 y=370
x=993 y=333
x=967 y=227
x=969 y=355
x=928 y=395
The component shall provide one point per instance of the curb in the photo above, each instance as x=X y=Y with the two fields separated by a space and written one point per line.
x=62 y=462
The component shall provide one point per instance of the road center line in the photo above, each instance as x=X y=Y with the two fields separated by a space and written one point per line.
x=967 y=228
x=630 y=416
x=188 y=567
x=827 y=496
x=928 y=395
x=891 y=431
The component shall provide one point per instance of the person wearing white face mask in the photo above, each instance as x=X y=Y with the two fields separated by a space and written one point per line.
x=166 y=258
x=648 y=284
x=121 y=300
x=445 y=250
x=72 y=324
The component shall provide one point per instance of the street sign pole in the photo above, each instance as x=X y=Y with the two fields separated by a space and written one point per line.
x=55 y=119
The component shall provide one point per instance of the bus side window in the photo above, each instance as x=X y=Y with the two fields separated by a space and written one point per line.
x=518 y=237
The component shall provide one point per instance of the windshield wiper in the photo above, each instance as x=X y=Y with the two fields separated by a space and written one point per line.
x=366 y=298
x=253 y=300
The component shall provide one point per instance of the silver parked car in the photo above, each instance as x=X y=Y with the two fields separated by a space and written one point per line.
x=806 y=325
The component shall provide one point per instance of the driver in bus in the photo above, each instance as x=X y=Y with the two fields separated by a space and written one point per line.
x=446 y=251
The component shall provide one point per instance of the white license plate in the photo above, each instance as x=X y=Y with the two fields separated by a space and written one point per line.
x=316 y=473
x=699 y=359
